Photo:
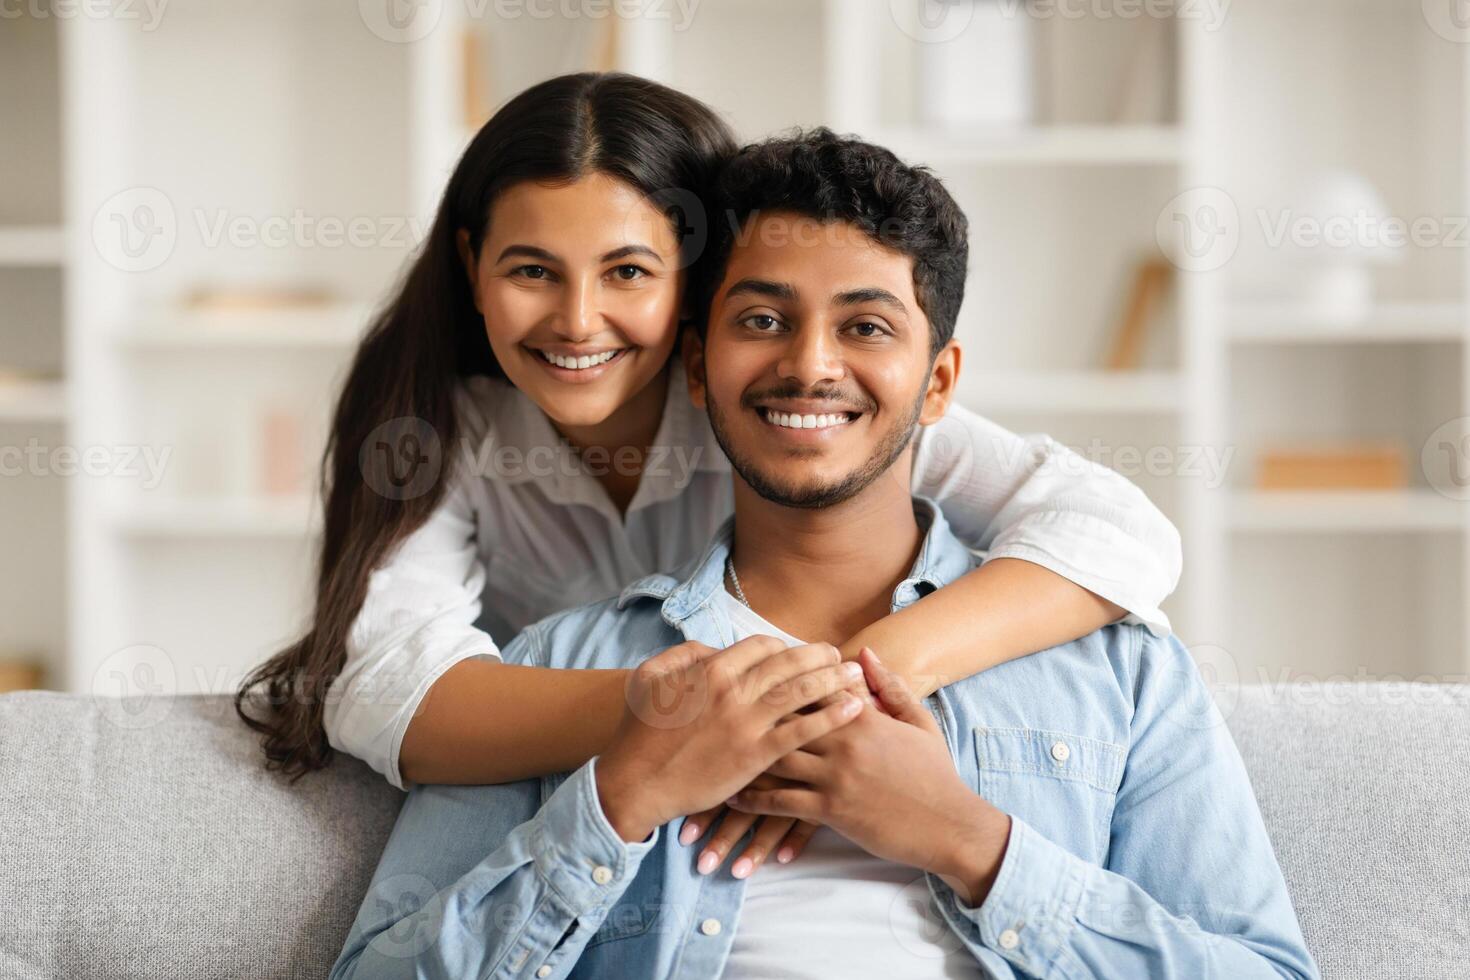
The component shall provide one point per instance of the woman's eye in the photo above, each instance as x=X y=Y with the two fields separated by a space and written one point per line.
x=532 y=271
x=763 y=321
x=628 y=273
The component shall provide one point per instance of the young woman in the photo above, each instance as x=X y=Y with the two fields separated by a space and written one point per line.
x=514 y=438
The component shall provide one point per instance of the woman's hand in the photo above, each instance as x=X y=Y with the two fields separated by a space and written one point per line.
x=699 y=727
x=784 y=836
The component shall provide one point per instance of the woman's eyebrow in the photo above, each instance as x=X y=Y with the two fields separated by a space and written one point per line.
x=635 y=249
x=527 y=251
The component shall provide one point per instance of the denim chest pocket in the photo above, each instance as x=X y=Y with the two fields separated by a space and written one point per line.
x=1063 y=785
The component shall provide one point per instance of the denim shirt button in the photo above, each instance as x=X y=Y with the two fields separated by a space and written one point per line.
x=602 y=874
x=1060 y=752
x=1010 y=939
x=544 y=971
x=710 y=927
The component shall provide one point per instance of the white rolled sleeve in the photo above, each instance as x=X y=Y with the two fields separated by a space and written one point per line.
x=417 y=621
x=1029 y=497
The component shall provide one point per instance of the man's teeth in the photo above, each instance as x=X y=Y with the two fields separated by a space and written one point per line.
x=792 y=421
x=579 y=363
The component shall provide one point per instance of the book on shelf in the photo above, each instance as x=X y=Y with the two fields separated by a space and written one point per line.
x=1366 y=466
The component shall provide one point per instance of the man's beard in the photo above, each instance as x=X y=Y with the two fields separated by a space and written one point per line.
x=893 y=443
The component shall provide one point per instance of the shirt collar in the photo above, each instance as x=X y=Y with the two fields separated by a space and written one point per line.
x=521 y=445
x=941 y=560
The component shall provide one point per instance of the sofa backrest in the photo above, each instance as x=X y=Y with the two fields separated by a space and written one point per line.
x=143 y=838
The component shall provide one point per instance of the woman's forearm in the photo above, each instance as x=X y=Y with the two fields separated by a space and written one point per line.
x=485 y=721
x=1006 y=608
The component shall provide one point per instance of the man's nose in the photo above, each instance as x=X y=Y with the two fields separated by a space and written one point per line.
x=812 y=355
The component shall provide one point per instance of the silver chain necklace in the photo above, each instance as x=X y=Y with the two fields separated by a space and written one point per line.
x=735 y=581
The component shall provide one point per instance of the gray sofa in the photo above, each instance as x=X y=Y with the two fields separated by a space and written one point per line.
x=142 y=838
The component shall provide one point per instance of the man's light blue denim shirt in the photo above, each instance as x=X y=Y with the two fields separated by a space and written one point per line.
x=1136 y=848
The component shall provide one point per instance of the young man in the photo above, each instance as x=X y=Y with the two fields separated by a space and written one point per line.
x=1081 y=812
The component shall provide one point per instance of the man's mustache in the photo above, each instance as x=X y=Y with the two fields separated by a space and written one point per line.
x=842 y=401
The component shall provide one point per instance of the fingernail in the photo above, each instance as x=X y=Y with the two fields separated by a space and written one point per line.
x=852 y=669
x=785 y=854
x=689 y=834
x=708 y=861
x=850 y=705
x=743 y=868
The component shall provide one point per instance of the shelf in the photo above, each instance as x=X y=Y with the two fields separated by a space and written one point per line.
x=262 y=518
x=1351 y=511
x=1056 y=145
x=32 y=401
x=32 y=245
x=336 y=326
x=1388 y=323
x=1062 y=392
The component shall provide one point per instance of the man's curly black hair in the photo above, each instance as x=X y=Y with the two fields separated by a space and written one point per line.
x=818 y=174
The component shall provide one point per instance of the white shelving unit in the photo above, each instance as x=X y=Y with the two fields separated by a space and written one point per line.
x=342 y=122
x=34 y=267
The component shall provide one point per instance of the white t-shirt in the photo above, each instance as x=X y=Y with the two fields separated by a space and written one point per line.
x=837 y=911
x=524 y=531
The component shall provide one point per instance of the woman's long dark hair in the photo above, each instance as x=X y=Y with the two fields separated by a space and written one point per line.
x=390 y=451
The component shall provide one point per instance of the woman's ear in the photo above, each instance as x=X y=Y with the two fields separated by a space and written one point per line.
x=691 y=348
x=471 y=264
x=944 y=374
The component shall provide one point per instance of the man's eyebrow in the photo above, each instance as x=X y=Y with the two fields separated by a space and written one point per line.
x=630 y=250
x=762 y=287
x=528 y=251
x=869 y=294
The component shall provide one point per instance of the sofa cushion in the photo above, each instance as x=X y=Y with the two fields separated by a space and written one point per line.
x=1365 y=789
x=142 y=837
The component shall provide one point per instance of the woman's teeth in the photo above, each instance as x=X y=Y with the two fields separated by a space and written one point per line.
x=579 y=363
x=790 y=421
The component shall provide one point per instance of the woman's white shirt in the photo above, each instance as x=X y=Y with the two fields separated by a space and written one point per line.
x=524 y=531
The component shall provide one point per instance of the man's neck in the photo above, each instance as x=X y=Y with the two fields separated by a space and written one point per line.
x=824 y=574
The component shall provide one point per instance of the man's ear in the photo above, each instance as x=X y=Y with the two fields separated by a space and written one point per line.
x=471 y=264
x=944 y=374
x=691 y=348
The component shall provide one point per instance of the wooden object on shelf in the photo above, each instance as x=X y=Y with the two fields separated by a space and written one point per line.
x=1150 y=280
x=232 y=300
x=475 y=96
x=19 y=675
x=1360 y=467
x=283 y=454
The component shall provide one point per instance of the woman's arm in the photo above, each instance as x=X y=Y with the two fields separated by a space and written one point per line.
x=1002 y=610
x=485 y=721
x=1072 y=546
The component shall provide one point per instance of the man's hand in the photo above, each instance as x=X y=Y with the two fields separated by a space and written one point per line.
x=702 y=723
x=887 y=783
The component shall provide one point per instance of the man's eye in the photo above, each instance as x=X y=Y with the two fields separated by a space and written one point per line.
x=532 y=271
x=868 y=329
x=763 y=322
x=629 y=273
